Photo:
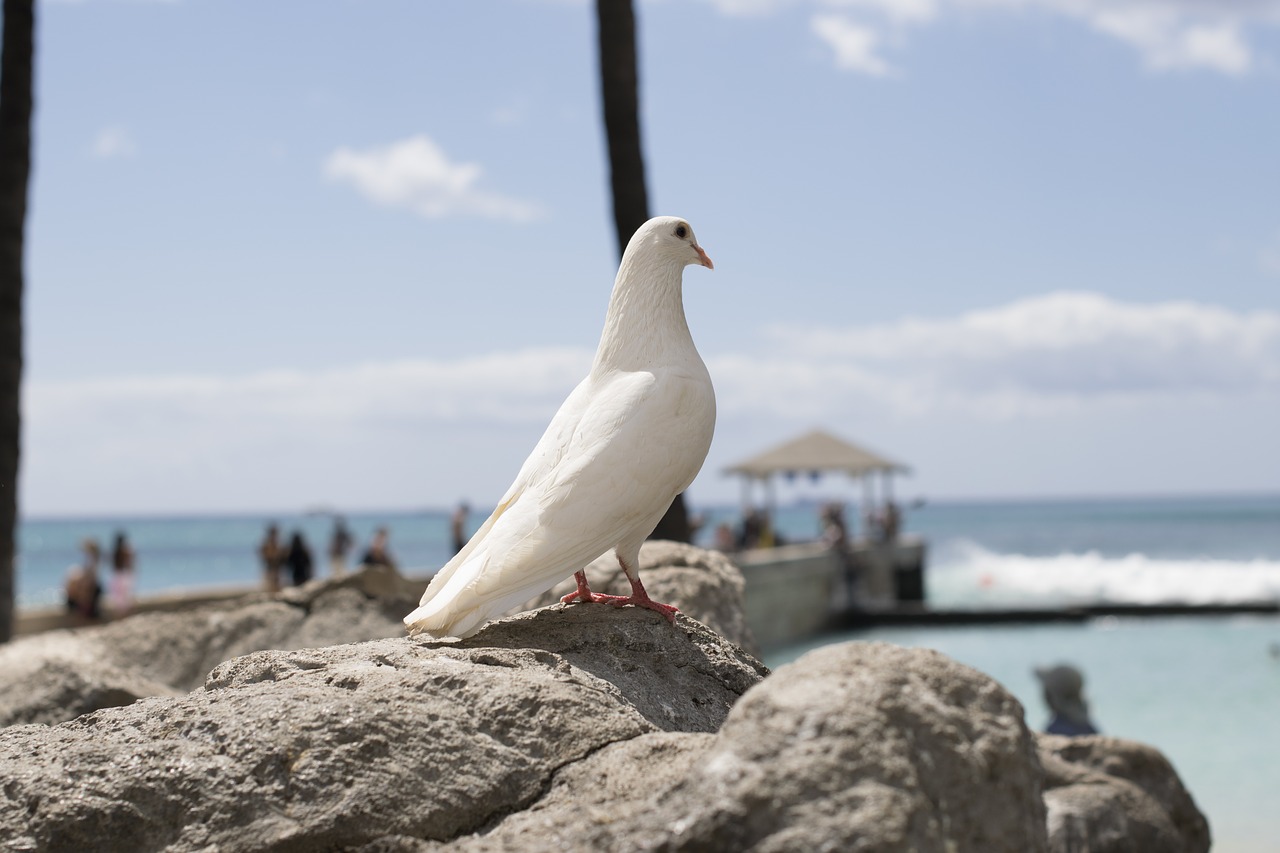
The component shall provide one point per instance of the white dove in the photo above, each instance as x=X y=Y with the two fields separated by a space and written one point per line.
x=628 y=439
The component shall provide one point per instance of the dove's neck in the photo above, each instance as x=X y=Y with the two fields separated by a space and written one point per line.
x=645 y=325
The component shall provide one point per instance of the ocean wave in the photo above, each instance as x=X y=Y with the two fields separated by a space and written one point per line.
x=966 y=573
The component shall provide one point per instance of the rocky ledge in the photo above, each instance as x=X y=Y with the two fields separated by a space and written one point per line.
x=569 y=728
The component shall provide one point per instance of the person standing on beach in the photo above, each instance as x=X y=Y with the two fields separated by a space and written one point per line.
x=458 y=526
x=339 y=544
x=299 y=560
x=83 y=590
x=123 y=579
x=272 y=554
x=378 y=553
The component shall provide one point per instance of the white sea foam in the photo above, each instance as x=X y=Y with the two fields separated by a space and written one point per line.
x=967 y=574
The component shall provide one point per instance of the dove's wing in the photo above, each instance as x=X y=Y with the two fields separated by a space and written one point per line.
x=579 y=500
x=546 y=453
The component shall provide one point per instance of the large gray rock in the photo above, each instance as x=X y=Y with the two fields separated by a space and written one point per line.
x=344 y=745
x=59 y=675
x=1107 y=795
x=862 y=746
x=704 y=584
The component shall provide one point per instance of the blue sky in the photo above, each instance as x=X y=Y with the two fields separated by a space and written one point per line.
x=355 y=253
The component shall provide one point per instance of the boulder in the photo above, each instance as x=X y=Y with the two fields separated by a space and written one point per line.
x=704 y=584
x=861 y=746
x=59 y=675
x=1108 y=795
x=341 y=746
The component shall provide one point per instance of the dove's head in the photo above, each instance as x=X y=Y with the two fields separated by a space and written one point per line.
x=670 y=237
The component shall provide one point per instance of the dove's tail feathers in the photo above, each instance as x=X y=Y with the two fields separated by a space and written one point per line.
x=459 y=603
x=463 y=614
x=445 y=624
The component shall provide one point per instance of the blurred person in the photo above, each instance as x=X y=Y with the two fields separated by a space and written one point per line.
x=458 y=526
x=272 y=552
x=339 y=545
x=726 y=542
x=378 y=554
x=891 y=522
x=835 y=536
x=298 y=559
x=84 y=592
x=752 y=529
x=1064 y=694
x=123 y=577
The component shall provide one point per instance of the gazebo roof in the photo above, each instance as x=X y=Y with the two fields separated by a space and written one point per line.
x=816 y=451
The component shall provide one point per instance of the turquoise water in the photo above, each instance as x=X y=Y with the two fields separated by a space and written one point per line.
x=980 y=554
x=207 y=552
x=1206 y=691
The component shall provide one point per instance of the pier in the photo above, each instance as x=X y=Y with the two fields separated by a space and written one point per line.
x=798 y=592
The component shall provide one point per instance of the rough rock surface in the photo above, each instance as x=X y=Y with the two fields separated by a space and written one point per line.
x=566 y=728
x=1107 y=795
x=59 y=675
x=705 y=585
x=340 y=746
x=862 y=746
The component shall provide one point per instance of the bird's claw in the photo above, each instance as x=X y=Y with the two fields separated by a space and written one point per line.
x=668 y=611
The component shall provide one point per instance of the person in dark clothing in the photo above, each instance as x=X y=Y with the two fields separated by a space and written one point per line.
x=84 y=591
x=299 y=560
x=458 y=526
x=339 y=544
x=378 y=554
x=1064 y=694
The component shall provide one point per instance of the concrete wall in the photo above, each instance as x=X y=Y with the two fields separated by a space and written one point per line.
x=789 y=591
x=792 y=592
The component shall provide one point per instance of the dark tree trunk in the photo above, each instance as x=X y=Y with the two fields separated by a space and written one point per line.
x=620 y=93
x=16 y=61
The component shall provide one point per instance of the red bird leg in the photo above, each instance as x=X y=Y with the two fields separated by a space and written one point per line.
x=640 y=598
x=583 y=593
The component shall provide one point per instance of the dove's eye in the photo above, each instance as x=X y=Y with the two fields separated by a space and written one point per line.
x=682 y=232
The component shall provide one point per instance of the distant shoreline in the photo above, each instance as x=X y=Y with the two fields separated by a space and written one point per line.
x=36 y=620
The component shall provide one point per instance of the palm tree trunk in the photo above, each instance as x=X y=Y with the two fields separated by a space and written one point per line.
x=16 y=61
x=620 y=92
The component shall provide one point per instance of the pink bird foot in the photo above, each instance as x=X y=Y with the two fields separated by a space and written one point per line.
x=638 y=598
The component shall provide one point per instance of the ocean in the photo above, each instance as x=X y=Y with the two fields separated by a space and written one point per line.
x=1205 y=690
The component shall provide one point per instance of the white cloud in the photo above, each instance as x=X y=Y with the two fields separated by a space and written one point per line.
x=1167 y=40
x=407 y=432
x=855 y=45
x=1049 y=353
x=417 y=175
x=113 y=143
x=369 y=435
x=1168 y=35
x=519 y=386
x=899 y=11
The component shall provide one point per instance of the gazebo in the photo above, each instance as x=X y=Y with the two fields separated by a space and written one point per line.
x=816 y=453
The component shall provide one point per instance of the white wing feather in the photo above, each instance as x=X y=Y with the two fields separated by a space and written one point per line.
x=578 y=494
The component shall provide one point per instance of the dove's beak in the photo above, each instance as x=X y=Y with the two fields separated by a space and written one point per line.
x=706 y=262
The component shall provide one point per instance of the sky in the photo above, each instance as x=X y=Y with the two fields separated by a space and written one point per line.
x=354 y=254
